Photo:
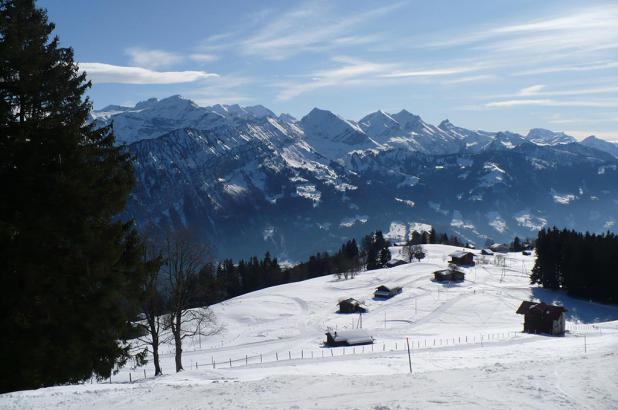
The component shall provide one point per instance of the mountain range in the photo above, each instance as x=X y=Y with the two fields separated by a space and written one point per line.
x=248 y=181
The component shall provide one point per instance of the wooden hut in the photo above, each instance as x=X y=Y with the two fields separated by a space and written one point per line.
x=449 y=275
x=499 y=247
x=348 y=338
x=395 y=262
x=351 y=305
x=487 y=252
x=542 y=318
x=385 y=292
x=462 y=258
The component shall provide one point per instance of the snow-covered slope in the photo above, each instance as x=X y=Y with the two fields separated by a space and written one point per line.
x=467 y=349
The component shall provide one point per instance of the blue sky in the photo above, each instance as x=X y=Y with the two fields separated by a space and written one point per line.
x=491 y=65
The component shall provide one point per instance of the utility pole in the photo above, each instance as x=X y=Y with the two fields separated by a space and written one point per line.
x=409 y=357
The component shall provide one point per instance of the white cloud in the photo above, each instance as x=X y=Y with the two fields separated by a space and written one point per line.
x=532 y=90
x=228 y=89
x=553 y=103
x=141 y=57
x=203 y=58
x=469 y=79
x=310 y=27
x=429 y=72
x=605 y=65
x=107 y=73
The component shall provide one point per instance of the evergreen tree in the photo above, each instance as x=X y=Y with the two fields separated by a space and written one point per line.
x=71 y=271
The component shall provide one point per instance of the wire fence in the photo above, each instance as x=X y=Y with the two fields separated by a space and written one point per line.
x=377 y=348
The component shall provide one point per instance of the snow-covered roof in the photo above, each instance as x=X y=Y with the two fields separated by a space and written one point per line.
x=459 y=254
x=351 y=337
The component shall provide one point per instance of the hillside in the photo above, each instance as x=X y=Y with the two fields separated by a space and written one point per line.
x=445 y=324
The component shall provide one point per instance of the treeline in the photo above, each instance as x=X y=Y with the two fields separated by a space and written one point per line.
x=583 y=264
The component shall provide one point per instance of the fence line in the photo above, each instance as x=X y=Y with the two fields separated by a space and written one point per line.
x=424 y=344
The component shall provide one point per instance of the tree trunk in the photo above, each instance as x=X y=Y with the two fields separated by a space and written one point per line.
x=176 y=330
x=155 y=355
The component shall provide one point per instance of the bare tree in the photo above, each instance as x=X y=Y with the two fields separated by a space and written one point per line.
x=410 y=251
x=183 y=258
x=152 y=301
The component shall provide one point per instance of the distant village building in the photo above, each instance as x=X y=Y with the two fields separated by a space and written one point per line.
x=500 y=247
x=526 y=253
x=385 y=292
x=462 y=258
x=487 y=252
x=348 y=338
x=395 y=262
x=351 y=305
x=542 y=318
x=449 y=275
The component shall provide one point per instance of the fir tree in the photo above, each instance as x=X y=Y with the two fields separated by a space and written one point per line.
x=71 y=271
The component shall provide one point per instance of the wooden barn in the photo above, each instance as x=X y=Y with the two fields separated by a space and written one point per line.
x=542 y=318
x=348 y=338
x=487 y=252
x=500 y=247
x=395 y=262
x=351 y=305
x=385 y=292
x=462 y=258
x=449 y=275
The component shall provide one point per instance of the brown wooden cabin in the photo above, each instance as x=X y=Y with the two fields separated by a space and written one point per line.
x=542 y=318
x=449 y=275
x=487 y=252
x=395 y=262
x=351 y=305
x=348 y=338
x=462 y=258
x=385 y=292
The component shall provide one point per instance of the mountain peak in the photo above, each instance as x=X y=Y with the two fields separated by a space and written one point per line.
x=541 y=136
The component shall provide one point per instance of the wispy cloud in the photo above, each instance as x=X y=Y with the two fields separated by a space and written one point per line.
x=469 y=79
x=151 y=58
x=203 y=57
x=532 y=90
x=605 y=65
x=355 y=72
x=107 y=73
x=553 y=103
x=310 y=27
x=228 y=89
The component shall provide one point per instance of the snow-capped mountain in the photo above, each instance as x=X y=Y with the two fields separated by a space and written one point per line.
x=542 y=136
x=248 y=180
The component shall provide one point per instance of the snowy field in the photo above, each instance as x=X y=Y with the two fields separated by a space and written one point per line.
x=467 y=350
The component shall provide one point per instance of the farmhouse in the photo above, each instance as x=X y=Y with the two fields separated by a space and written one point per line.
x=351 y=305
x=462 y=258
x=348 y=338
x=487 y=251
x=395 y=262
x=449 y=275
x=385 y=292
x=542 y=318
x=499 y=247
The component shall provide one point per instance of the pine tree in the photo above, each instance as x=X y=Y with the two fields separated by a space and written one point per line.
x=71 y=271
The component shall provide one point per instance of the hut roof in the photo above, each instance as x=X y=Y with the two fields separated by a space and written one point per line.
x=460 y=254
x=351 y=337
x=541 y=309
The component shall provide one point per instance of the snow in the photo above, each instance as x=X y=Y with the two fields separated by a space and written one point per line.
x=444 y=324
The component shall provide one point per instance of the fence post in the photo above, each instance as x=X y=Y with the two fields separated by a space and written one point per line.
x=260 y=357
x=331 y=352
x=302 y=354
x=230 y=362
x=144 y=373
x=290 y=355
x=246 y=360
x=277 y=356
x=409 y=357
x=130 y=381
